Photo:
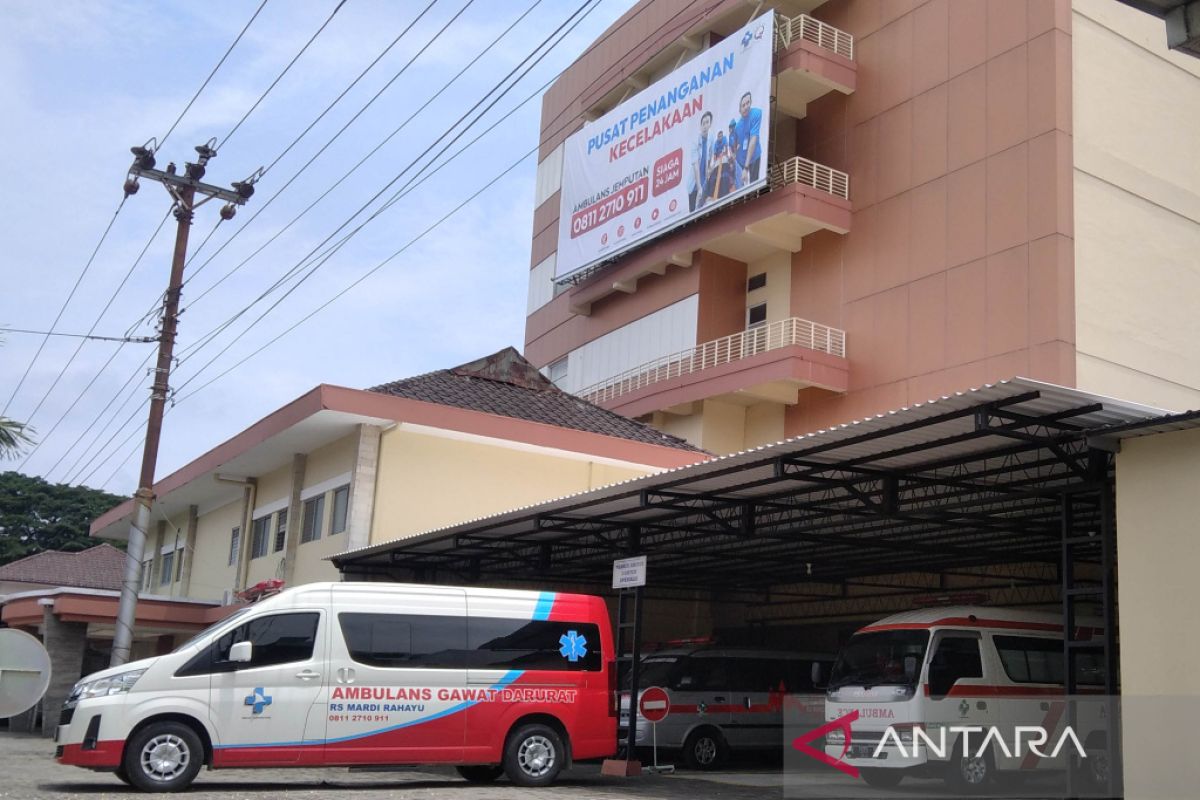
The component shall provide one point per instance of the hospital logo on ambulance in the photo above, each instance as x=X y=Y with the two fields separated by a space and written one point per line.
x=260 y=700
x=572 y=646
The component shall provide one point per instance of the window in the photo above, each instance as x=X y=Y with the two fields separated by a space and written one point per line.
x=702 y=674
x=164 y=568
x=435 y=641
x=235 y=542
x=957 y=657
x=314 y=516
x=278 y=639
x=405 y=640
x=532 y=644
x=557 y=372
x=341 y=503
x=280 y=530
x=1034 y=659
x=147 y=575
x=756 y=315
x=258 y=536
x=756 y=282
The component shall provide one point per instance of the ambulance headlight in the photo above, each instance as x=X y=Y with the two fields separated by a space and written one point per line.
x=835 y=737
x=103 y=687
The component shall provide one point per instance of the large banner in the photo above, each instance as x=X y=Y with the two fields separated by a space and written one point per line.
x=688 y=143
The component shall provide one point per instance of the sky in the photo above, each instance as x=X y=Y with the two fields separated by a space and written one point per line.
x=85 y=81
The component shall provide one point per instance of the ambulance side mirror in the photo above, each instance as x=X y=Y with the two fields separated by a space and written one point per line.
x=241 y=652
x=910 y=667
x=817 y=675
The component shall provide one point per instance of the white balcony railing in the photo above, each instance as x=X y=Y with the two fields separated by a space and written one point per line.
x=822 y=34
x=760 y=339
x=810 y=173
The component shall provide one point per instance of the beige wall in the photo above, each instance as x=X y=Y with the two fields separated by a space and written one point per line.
x=1137 y=208
x=1159 y=558
x=428 y=481
x=211 y=572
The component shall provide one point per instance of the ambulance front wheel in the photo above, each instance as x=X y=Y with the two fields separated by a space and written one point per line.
x=163 y=757
x=970 y=773
x=534 y=755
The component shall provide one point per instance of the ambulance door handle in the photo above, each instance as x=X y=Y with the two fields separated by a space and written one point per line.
x=345 y=675
x=307 y=674
x=719 y=699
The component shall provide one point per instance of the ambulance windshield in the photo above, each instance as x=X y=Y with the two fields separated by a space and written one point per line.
x=881 y=658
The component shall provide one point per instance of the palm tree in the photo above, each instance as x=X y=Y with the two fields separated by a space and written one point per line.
x=13 y=436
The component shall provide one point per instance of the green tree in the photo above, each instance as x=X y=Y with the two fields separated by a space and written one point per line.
x=36 y=515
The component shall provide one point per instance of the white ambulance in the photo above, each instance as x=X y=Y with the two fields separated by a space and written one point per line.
x=962 y=693
x=338 y=674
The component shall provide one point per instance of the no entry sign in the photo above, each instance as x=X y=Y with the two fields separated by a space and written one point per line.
x=654 y=705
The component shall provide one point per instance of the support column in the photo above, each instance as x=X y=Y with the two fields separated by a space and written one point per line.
x=295 y=525
x=65 y=642
x=189 y=551
x=160 y=539
x=362 y=487
x=243 y=565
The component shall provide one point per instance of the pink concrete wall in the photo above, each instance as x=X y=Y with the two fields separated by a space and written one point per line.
x=958 y=268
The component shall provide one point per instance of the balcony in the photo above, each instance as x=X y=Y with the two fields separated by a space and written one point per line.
x=767 y=363
x=802 y=197
x=814 y=58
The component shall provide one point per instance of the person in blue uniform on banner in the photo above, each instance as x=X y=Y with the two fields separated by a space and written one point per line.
x=749 y=143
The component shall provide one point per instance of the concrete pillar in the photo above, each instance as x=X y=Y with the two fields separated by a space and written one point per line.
x=295 y=525
x=65 y=642
x=156 y=559
x=362 y=487
x=243 y=565
x=189 y=551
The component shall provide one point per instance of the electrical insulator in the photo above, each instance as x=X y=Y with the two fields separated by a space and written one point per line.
x=227 y=211
x=131 y=186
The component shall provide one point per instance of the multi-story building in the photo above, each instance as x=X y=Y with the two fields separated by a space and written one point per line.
x=958 y=191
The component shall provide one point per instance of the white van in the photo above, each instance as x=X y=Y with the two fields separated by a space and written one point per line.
x=339 y=674
x=921 y=693
x=724 y=700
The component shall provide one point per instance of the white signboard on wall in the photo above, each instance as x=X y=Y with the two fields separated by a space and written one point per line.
x=690 y=142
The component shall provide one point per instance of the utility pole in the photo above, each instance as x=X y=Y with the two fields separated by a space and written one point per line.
x=183 y=190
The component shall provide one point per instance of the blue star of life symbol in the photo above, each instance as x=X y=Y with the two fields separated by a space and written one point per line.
x=747 y=38
x=260 y=700
x=572 y=646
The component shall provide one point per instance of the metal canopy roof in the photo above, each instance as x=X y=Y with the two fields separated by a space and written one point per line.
x=980 y=478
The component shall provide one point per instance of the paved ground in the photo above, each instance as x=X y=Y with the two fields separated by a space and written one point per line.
x=28 y=770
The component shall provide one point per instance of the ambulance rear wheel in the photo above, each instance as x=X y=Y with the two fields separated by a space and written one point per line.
x=163 y=757
x=705 y=749
x=534 y=755
x=480 y=773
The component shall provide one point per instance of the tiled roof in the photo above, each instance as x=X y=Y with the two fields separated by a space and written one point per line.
x=99 y=567
x=505 y=384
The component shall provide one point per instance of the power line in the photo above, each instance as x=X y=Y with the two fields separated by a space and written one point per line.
x=301 y=264
x=402 y=193
x=318 y=118
x=58 y=317
x=319 y=152
x=279 y=77
x=354 y=82
x=186 y=108
x=88 y=336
